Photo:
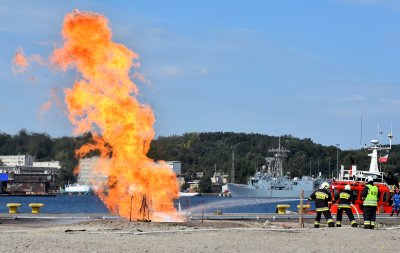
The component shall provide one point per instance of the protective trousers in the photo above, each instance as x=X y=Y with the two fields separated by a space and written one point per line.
x=328 y=218
x=349 y=214
x=369 y=217
x=395 y=209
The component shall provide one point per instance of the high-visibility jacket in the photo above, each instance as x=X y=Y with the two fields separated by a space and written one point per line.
x=371 y=192
x=322 y=197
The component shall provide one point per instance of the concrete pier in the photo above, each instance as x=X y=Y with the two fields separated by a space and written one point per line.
x=272 y=216
x=54 y=218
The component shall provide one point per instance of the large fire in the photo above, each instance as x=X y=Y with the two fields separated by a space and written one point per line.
x=104 y=102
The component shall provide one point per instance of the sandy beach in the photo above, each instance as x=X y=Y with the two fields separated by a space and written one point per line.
x=195 y=236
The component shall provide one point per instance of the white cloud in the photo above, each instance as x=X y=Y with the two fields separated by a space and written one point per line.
x=353 y=98
x=172 y=71
x=175 y=71
x=391 y=102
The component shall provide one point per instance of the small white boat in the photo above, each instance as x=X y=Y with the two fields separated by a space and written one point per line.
x=76 y=189
x=188 y=194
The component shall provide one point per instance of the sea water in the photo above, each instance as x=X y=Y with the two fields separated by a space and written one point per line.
x=196 y=204
x=56 y=204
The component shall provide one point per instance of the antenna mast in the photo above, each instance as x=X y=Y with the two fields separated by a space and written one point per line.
x=390 y=136
x=279 y=156
x=233 y=166
x=361 y=133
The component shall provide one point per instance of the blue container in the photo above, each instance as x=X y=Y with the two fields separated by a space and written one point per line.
x=3 y=177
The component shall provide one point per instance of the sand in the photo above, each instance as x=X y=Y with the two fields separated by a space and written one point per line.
x=195 y=236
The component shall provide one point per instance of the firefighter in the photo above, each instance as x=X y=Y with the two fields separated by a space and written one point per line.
x=322 y=197
x=370 y=194
x=396 y=202
x=345 y=199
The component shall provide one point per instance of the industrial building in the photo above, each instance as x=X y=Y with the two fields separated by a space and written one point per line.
x=175 y=166
x=17 y=160
x=19 y=175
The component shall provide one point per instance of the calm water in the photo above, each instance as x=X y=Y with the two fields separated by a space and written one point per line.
x=91 y=204
x=58 y=204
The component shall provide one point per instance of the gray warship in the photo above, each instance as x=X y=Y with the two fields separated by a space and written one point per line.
x=269 y=182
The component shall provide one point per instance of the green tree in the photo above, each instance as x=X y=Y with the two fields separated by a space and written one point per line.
x=205 y=185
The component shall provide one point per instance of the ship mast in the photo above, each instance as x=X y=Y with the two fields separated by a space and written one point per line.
x=373 y=167
x=279 y=155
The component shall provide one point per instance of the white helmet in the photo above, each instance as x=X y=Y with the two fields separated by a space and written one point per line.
x=347 y=187
x=370 y=179
x=324 y=185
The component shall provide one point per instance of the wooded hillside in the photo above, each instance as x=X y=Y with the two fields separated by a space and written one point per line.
x=204 y=152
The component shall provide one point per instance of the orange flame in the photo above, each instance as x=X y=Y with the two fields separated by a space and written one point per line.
x=53 y=99
x=140 y=76
x=104 y=103
x=44 y=108
x=20 y=61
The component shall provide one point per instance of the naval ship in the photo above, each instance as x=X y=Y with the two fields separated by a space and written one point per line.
x=271 y=183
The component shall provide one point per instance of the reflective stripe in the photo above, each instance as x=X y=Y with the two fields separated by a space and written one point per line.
x=370 y=203
x=367 y=223
x=338 y=222
x=316 y=222
x=344 y=195
x=344 y=206
x=330 y=220
x=373 y=223
x=321 y=209
x=353 y=222
x=321 y=195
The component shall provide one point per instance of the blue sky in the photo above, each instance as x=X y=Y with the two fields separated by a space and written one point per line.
x=310 y=69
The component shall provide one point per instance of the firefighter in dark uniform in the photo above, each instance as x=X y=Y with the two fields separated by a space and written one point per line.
x=370 y=194
x=345 y=199
x=322 y=197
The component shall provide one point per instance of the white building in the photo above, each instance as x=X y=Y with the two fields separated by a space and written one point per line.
x=175 y=166
x=219 y=178
x=86 y=165
x=51 y=164
x=17 y=160
x=86 y=173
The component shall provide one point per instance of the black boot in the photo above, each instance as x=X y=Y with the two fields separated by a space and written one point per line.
x=354 y=225
x=316 y=226
x=392 y=213
x=331 y=224
x=367 y=226
x=372 y=227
